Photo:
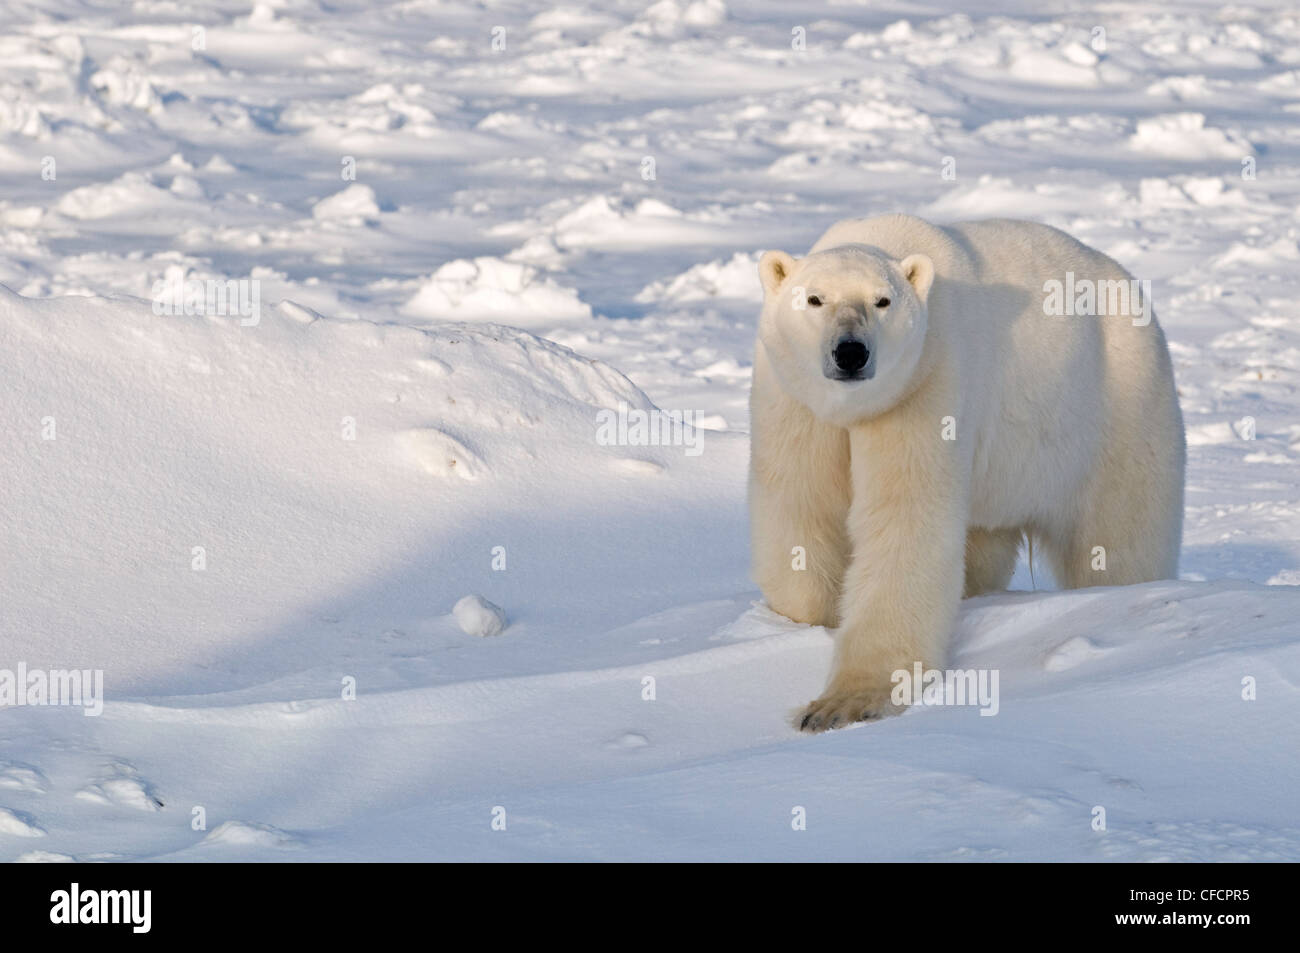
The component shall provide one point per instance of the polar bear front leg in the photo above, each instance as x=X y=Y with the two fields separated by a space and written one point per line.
x=907 y=525
x=799 y=490
x=799 y=548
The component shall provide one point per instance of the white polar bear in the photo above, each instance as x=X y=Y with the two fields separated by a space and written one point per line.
x=915 y=413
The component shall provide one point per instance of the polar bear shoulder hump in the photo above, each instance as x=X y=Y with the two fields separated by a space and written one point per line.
x=969 y=248
x=898 y=236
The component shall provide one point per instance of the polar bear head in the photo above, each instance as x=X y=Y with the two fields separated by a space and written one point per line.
x=844 y=328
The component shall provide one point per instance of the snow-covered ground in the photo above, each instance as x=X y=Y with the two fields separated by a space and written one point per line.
x=473 y=227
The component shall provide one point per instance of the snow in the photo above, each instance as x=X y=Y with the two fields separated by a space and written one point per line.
x=489 y=289
x=476 y=616
x=352 y=206
x=239 y=834
x=15 y=824
x=258 y=529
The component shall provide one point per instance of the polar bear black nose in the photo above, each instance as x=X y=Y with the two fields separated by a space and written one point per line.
x=850 y=355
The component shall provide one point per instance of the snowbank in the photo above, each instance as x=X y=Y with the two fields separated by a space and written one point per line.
x=258 y=529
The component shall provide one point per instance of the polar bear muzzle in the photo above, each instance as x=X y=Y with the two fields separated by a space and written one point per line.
x=850 y=358
x=848 y=346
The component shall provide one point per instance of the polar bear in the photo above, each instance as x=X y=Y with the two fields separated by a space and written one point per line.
x=916 y=412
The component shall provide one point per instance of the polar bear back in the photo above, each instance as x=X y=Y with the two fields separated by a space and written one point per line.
x=1045 y=391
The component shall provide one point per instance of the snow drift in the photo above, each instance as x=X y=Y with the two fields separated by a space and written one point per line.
x=259 y=531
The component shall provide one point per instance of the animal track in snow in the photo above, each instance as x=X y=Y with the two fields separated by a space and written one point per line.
x=19 y=824
x=125 y=789
x=22 y=777
x=440 y=453
x=628 y=741
x=635 y=466
x=1073 y=652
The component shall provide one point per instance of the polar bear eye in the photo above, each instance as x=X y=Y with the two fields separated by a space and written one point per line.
x=882 y=302
x=815 y=301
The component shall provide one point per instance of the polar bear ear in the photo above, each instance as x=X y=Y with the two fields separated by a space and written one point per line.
x=773 y=268
x=919 y=271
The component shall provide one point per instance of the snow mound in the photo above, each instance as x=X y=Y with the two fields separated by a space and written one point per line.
x=246 y=834
x=669 y=18
x=20 y=113
x=130 y=193
x=476 y=616
x=491 y=289
x=1071 y=65
x=735 y=278
x=602 y=222
x=257 y=530
x=141 y=444
x=382 y=109
x=352 y=206
x=1186 y=137
x=124 y=83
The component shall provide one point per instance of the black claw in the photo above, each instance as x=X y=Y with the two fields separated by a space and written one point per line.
x=804 y=724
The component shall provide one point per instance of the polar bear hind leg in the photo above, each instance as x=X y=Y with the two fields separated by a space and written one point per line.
x=1127 y=526
x=1122 y=536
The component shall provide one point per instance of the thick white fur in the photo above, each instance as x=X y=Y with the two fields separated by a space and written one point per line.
x=1067 y=430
